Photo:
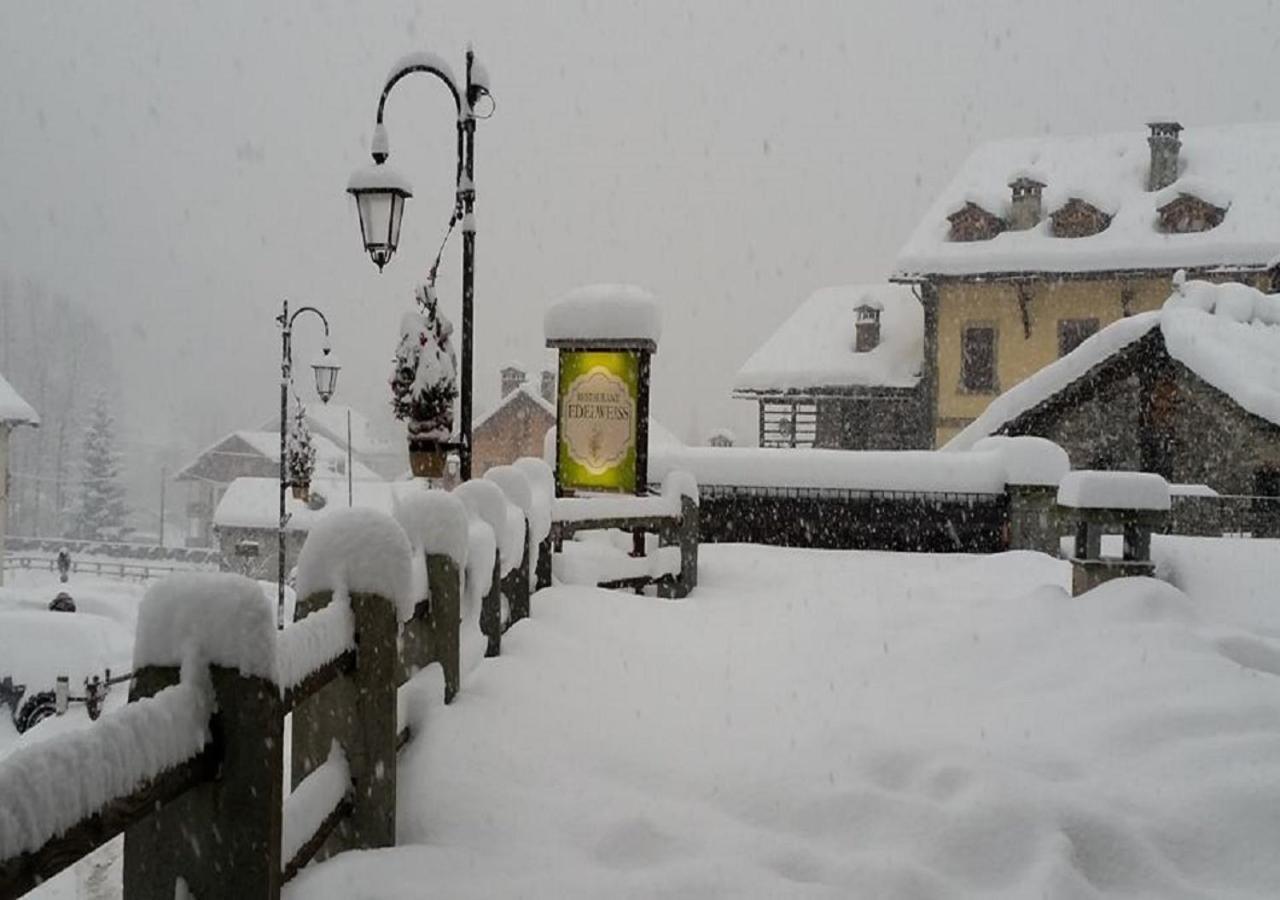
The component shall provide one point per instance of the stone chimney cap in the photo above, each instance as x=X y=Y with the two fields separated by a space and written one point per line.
x=1164 y=125
x=1026 y=181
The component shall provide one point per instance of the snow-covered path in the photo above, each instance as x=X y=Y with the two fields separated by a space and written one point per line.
x=849 y=725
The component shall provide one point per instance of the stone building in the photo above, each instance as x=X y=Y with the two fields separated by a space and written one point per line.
x=1039 y=243
x=519 y=423
x=14 y=413
x=1190 y=391
x=843 y=371
x=250 y=454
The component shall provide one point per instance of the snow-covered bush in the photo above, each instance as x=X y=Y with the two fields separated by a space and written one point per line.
x=300 y=451
x=424 y=383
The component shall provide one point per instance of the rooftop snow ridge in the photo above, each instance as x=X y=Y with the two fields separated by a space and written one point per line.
x=1234 y=167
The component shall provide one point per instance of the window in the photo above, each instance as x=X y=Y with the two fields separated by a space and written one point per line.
x=1266 y=483
x=1073 y=332
x=978 y=359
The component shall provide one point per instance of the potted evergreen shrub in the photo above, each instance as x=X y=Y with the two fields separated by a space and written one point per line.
x=424 y=383
x=300 y=455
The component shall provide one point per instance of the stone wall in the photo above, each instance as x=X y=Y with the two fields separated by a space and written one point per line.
x=847 y=520
x=889 y=420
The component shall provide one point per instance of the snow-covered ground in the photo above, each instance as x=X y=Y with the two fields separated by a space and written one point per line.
x=846 y=724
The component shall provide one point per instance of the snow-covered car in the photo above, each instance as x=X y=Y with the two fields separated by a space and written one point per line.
x=37 y=647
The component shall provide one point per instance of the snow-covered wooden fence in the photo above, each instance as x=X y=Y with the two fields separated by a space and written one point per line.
x=191 y=770
x=672 y=514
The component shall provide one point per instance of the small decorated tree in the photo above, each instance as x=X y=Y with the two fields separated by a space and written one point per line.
x=300 y=454
x=424 y=383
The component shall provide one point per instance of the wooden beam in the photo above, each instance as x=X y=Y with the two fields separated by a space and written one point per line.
x=312 y=846
x=343 y=664
x=24 y=873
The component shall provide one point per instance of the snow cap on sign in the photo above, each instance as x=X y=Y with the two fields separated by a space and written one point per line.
x=611 y=312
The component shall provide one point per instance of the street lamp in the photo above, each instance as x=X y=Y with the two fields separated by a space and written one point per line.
x=325 y=369
x=380 y=193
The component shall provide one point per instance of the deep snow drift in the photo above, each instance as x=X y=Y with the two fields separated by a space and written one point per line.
x=856 y=725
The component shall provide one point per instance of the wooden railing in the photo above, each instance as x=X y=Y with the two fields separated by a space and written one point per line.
x=212 y=814
x=673 y=516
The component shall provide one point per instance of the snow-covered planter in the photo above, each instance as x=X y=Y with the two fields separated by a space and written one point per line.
x=300 y=454
x=424 y=383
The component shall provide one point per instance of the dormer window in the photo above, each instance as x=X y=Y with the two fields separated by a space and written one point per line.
x=1078 y=218
x=1187 y=213
x=866 y=326
x=973 y=223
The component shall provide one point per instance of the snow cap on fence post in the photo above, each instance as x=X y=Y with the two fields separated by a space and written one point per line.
x=435 y=522
x=226 y=619
x=542 y=486
x=1028 y=460
x=486 y=501
x=680 y=483
x=358 y=550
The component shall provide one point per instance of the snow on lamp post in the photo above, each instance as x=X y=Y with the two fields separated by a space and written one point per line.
x=326 y=374
x=380 y=193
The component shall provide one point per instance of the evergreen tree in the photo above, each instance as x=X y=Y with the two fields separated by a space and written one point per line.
x=101 y=513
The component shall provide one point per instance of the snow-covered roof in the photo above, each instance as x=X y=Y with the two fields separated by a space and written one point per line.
x=524 y=390
x=330 y=419
x=611 y=312
x=1235 y=166
x=1227 y=334
x=13 y=409
x=330 y=458
x=814 y=347
x=255 y=502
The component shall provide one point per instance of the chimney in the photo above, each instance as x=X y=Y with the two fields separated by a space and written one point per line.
x=1026 y=203
x=512 y=378
x=1164 y=154
x=548 y=386
x=866 y=326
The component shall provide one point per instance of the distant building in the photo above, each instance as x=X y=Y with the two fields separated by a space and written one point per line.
x=14 y=412
x=387 y=458
x=250 y=454
x=1190 y=391
x=1039 y=243
x=518 y=425
x=246 y=518
x=842 y=372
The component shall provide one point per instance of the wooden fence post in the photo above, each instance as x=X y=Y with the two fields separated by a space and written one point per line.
x=517 y=584
x=222 y=838
x=359 y=712
x=445 y=579
x=543 y=570
x=491 y=610
x=685 y=536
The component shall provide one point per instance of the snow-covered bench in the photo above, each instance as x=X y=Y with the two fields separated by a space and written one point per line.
x=671 y=515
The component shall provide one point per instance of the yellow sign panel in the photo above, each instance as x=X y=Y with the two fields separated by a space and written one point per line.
x=596 y=420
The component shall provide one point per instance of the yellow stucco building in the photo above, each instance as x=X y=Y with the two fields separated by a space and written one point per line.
x=1038 y=244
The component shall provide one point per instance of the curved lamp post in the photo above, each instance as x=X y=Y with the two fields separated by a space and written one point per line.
x=380 y=193
x=326 y=374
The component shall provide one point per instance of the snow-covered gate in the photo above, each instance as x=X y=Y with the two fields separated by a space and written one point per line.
x=191 y=771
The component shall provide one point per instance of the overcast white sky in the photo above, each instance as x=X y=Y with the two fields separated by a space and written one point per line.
x=180 y=166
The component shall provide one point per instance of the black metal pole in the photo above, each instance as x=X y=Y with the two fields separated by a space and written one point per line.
x=285 y=373
x=467 y=192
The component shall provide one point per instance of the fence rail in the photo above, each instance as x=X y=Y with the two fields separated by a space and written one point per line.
x=124 y=569
x=228 y=802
